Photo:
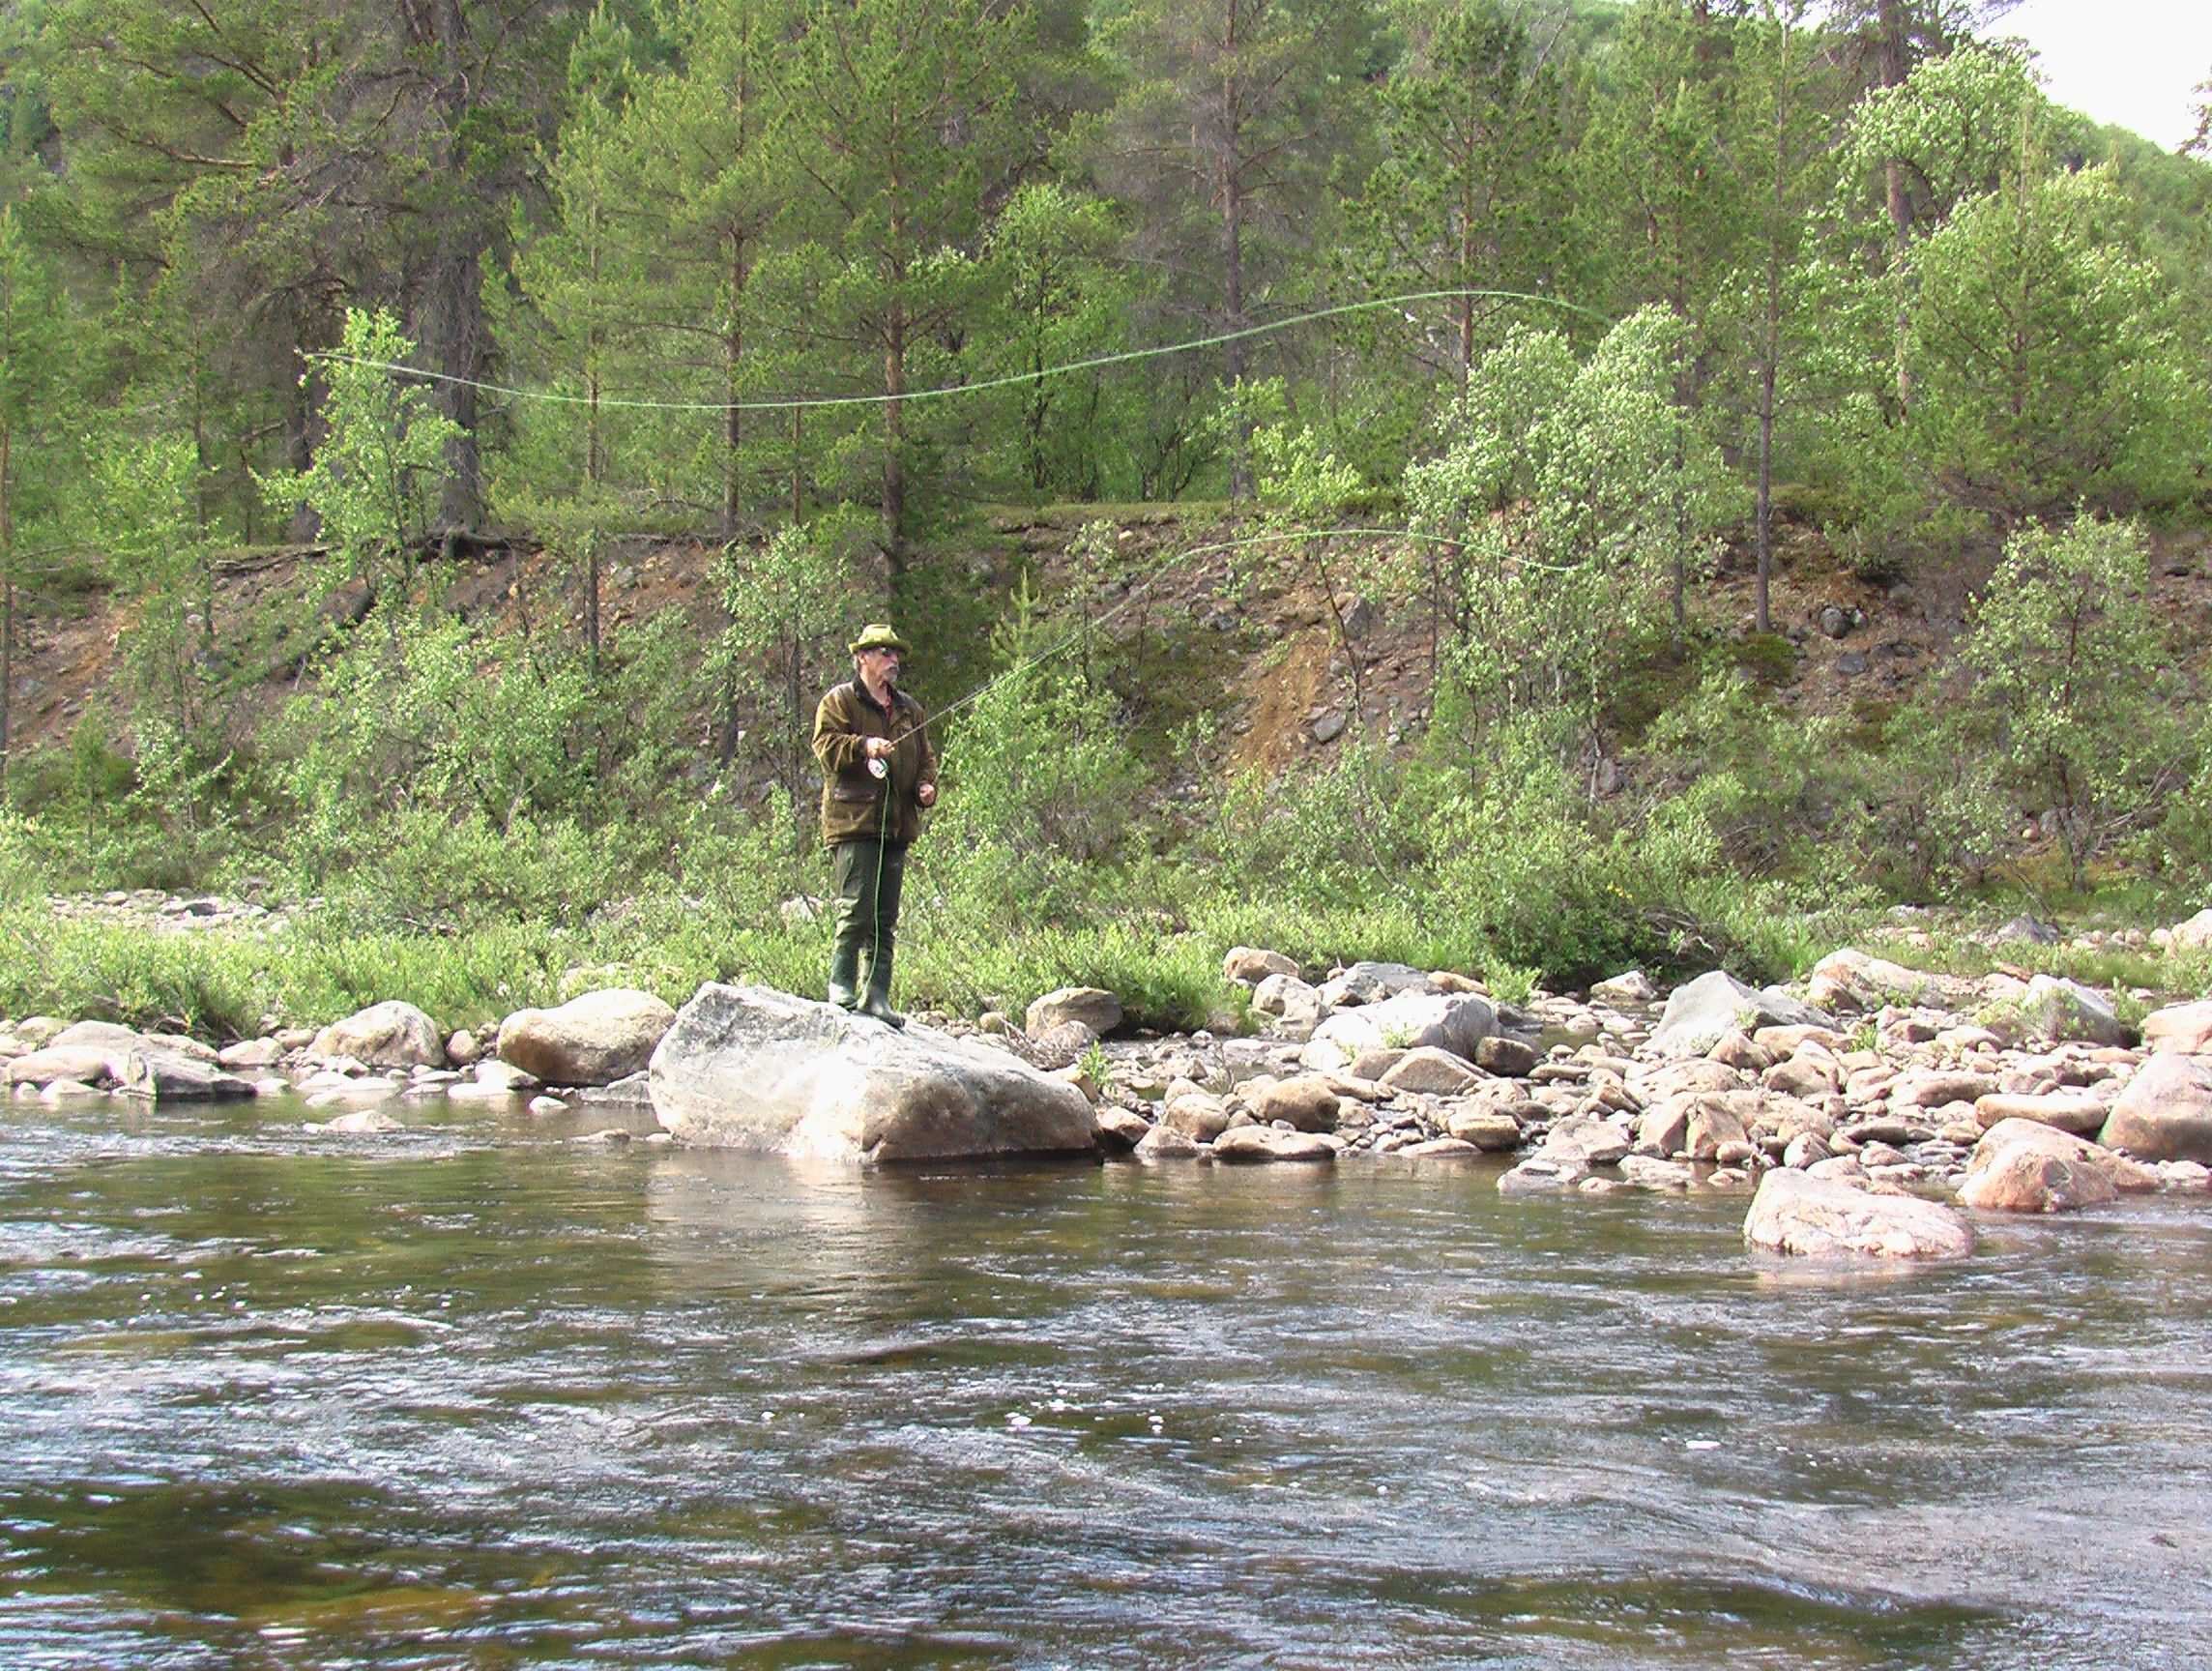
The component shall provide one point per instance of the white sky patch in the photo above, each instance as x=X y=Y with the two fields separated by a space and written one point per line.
x=2128 y=62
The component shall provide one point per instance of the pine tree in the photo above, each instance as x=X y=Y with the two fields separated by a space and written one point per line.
x=1471 y=191
x=906 y=117
x=1233 y=114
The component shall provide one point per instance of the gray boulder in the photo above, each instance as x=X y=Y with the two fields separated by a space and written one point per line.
x=1454 y=1021
x=1700 y=1013
x=2060 y=1009
x=1290 y=1008
x=386 y=1035
x=163 y=1075
x=1371 y=983
x=751 y=1067
x=592 y=1040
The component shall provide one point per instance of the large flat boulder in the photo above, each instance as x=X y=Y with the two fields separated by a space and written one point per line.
x=592 y=1040
x=1797 y=1214
x=754 y=1069
x=2166 y=1112
x=386 y=1035
x=1454 y=1021
x=1245 y=1145
x=81 y=1064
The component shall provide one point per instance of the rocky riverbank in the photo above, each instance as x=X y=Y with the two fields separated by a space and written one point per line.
x=1870 y=1106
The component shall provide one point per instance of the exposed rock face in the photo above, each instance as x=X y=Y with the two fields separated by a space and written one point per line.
x=2193 y=935
x=592 y=1040
x=1121 y=1131
x=1490 y=1133
x=1797 y=1214
x=2166 y=1112
x=751 y=1067
x=1807 y=1076
x=1583 y=1141
x=2183 y=1027
x=1454 y=1021
x=386 y=1035
x=251 y=1053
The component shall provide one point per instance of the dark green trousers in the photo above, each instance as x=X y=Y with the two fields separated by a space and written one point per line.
x=869 y=875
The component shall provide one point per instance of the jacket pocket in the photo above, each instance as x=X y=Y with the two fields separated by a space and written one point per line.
x=852 y=793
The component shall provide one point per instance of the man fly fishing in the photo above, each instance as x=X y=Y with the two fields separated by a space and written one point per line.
x=878 y=775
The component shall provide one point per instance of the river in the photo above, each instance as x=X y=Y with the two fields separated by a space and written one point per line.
x=478 y=1394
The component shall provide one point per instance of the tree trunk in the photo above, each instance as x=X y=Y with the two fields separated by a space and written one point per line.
x=1766 y=512
x=894 y=439
x=797 y=464
x=733 y=356
x=451 y=323
x=593 y=454
x=1232 y=360
x=1894 y=58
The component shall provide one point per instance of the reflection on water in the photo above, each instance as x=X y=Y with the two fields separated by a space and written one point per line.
x=477 y=1394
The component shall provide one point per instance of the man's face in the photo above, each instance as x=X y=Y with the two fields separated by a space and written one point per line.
x=882 y=666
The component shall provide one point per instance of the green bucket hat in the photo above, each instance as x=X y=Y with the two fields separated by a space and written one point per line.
x=878 y=635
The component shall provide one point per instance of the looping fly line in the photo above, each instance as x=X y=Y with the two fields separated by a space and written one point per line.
x=812 y=402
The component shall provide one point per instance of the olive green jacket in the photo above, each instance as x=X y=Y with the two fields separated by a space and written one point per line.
x=853 y=803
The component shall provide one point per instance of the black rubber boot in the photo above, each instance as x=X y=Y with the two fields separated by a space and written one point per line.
x=878 y=1002
x=844 y=974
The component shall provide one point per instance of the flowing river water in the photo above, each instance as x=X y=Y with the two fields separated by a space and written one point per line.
x=476 y=1394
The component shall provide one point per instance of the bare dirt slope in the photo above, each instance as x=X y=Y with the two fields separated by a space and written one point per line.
x=1248 y=641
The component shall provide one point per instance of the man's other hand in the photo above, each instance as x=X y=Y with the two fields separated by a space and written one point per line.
x=926 y=795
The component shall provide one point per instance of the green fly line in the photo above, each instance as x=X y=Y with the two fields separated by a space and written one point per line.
x=814 y=402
